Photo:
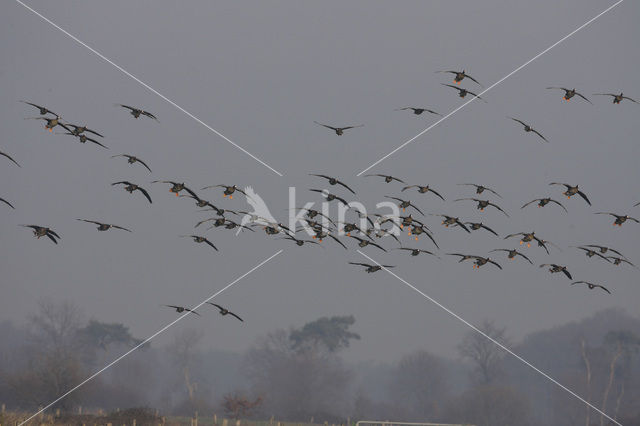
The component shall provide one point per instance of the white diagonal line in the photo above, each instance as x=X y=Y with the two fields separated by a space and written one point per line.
x=148 y=339
x=503 y=347
x=151 y=89
x=490 y=87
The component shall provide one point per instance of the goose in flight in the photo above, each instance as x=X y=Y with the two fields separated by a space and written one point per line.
x=481 y=188
x=483 y=204
x=387 y=178
x=41 y=231
x=371 y=268
x=228 y=190
x=131 y=159
x=568 y=94
x=451 y=221
x=404 y=204
x=200 y=239
x=82 y=138
x=464 y=92
x=418 y=111
x=104 y=226
x=224 y=311
x=478 y=261
x=553 y=268
x=333 y=181
x=619 y=260
x=604 y=249
x=363 y=243
x=528 y=128
x=136 y=112
x=77 y=130
x=4 y=154
x=51 y=122
x=423 y=190
x=572 y=190
x=592 y=285
x=460 y=75
x=181 y=309
x=620 y=219
x=512 y=253
x=176 y=187
x=43 y=110
x=130 y=187
x=339 y=130
x=416 y=252
x=616 y=98
x=527 y=237
x=543 y=202
x=330 y=197
x=474 y=226
x=300 y=242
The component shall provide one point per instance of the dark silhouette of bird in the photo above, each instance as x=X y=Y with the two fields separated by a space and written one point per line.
x=4 y=154
x=616 y=98
x=418 y=111
x=51 y=122
x=181 y=309
x=423 y=190
x=619 y=260
x=483 y=204
x=339 y=130
x=474 y=226
x=527 y=237
x=104 y=226
x=228 y=190
x=333 y=181
x=200 y=239
x=224 y=311
x=77 y=130
x=553 y=268
x=82 y=138
x=416 y=251
x=591 y=285
x=543 y=202
x=464 y=92
x=480 y=188
x=130 y=187
x=42 y=231
x=451 y=221
x=363 y=243
x=572 y=190
x=459 y=76
x=131 y=159
x=512 y=253
x=176 y=187
x=387 y=178
x=43 y=110
x=137 y=112
x=528 y=128
x=404 y=204
x=478 y=261
x=330 y=197
x=371 y=268
x=620 y=219
x=568 y=94
x=300 y=242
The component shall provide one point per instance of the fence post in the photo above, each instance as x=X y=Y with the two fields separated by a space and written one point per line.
x=215 y=419
x=134 y=422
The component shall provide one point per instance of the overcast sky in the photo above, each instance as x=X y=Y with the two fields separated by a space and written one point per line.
x=261 y=73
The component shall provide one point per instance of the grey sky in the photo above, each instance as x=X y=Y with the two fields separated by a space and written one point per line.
x=260 y=73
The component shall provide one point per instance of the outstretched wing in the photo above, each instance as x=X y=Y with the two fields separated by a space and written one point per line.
x=7 y=203
x=9 y=157
x=146 y=194
x=584 y=197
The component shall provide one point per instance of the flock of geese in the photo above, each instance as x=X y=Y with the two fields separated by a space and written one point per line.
x=320 y=227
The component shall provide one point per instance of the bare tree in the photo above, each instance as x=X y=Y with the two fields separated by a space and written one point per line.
x=238 y=406
x=483 y=353
x=183 y=351
x=54 y=355
x=624 y=344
